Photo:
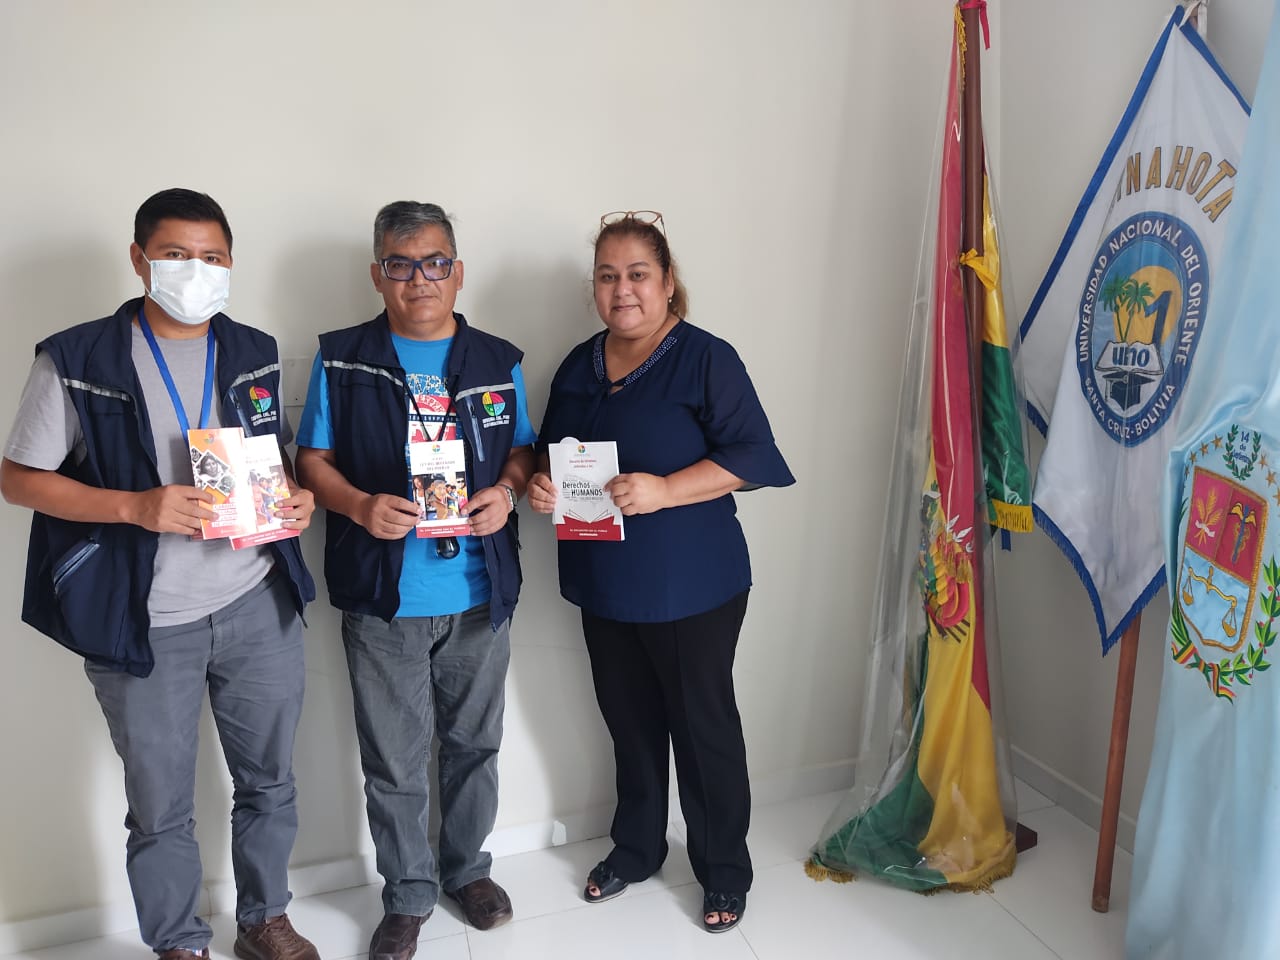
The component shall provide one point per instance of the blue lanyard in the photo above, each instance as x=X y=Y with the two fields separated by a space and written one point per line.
x=207 y=402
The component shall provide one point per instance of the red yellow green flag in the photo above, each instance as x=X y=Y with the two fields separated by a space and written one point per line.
x=929 y=810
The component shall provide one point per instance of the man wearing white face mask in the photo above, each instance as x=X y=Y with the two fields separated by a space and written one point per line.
x=99 y=450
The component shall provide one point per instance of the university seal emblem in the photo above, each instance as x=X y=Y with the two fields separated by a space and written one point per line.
x=1139 y=322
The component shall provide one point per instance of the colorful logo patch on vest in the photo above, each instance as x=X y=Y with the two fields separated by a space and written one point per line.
x=1224 y=599
x=493 y=403
x=261 y=399
x=1139 y=324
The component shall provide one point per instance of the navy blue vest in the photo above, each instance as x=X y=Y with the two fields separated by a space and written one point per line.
x=369 y=409
x=88 y=583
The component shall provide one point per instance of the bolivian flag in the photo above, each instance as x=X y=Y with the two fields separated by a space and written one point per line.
x=927 y=811
x=1004 y=461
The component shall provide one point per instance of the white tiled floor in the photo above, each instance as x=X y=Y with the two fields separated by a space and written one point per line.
x=1039 y=913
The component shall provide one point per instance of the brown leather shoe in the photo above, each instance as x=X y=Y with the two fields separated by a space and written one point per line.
x=484 y=903
x=273 y=940
x=179 y=954
x=396 y=937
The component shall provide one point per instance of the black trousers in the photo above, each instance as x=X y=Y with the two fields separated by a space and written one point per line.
x=660 y=683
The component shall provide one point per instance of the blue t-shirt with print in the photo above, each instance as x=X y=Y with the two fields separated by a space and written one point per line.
x=429 y=585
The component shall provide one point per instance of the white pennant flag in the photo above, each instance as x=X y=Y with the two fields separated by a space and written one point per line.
x=1110 y=339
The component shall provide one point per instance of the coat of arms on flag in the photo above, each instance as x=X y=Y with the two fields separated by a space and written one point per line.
x=1111 y=338
x=1213 y=626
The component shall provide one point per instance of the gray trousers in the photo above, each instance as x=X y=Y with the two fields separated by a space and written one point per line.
x=411 y=679
x=249 y=656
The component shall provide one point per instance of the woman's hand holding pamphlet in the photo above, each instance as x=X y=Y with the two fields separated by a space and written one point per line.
x=247 y=479
x=583 y=509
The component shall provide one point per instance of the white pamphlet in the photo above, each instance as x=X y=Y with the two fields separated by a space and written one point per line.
x=583 y=510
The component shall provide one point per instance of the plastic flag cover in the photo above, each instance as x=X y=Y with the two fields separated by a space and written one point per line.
x=932 y=805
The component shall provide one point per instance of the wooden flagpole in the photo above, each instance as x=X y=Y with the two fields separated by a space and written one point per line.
x=1197 y=16
x=974 y=166
x=1115 y=766
x=973 y=14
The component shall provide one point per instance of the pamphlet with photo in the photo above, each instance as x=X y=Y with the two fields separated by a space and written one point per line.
x=247 y=479
x=438 y=485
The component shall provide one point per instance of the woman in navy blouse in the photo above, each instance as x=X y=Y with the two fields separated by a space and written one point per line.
x=661 y=610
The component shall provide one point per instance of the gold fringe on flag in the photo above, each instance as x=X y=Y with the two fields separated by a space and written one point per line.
x=817 y=872
x=978 y=886
x=1014 y=517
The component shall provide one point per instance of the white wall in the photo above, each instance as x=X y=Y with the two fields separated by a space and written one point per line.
x=789 y=147
x=1067 y=73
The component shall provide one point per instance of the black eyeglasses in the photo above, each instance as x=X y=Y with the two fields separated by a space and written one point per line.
x=447 y=547
x=403 y=268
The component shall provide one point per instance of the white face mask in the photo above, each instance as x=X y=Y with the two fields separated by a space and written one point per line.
x=190 y=291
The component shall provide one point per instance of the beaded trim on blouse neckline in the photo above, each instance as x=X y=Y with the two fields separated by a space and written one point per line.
x=597 y=359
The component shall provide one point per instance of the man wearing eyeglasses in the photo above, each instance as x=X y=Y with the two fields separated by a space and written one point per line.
x=425 y=620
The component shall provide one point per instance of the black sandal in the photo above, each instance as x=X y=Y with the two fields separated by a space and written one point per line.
x=718 y=903
x=606 y=881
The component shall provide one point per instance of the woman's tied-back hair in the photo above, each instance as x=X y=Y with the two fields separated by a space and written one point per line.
x=657 y=241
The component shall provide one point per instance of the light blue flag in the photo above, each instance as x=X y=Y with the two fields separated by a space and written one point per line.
x=1208 y=842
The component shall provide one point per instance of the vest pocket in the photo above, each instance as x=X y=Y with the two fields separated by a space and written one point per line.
x=92 y=585
x=71 y=561
x=100 y=402
x=364 y=377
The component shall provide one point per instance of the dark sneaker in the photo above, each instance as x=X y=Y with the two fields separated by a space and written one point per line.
x=484 y=903
x=396 y=937
x=180 y=954
x=273 y=940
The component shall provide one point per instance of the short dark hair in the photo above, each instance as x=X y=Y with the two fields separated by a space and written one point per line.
x=177 y=203
x=401 y=219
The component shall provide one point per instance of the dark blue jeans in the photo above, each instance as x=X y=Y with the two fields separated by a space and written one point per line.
x=411 y=679
x=249 y=655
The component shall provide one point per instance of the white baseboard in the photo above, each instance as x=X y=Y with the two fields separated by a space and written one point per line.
x=308 y=880
x=801 y=782
x=1073 y=798
x=52 y=929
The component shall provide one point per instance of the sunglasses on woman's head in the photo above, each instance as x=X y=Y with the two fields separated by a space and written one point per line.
x=648 y=217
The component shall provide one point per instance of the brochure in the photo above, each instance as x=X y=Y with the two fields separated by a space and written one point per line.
x=438 y=484
x=247 y=479
x=583 y=510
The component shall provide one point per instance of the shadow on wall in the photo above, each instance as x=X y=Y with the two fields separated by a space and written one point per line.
x=332 y=821
x=315 y=288
x=72 y=781
x=544 y=309
x=555 y=742
x=58 y=748
x=311 y=288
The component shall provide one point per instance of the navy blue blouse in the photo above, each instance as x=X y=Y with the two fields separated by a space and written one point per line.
x=691 y=400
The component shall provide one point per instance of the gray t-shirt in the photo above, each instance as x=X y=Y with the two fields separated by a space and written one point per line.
x=192 y=578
